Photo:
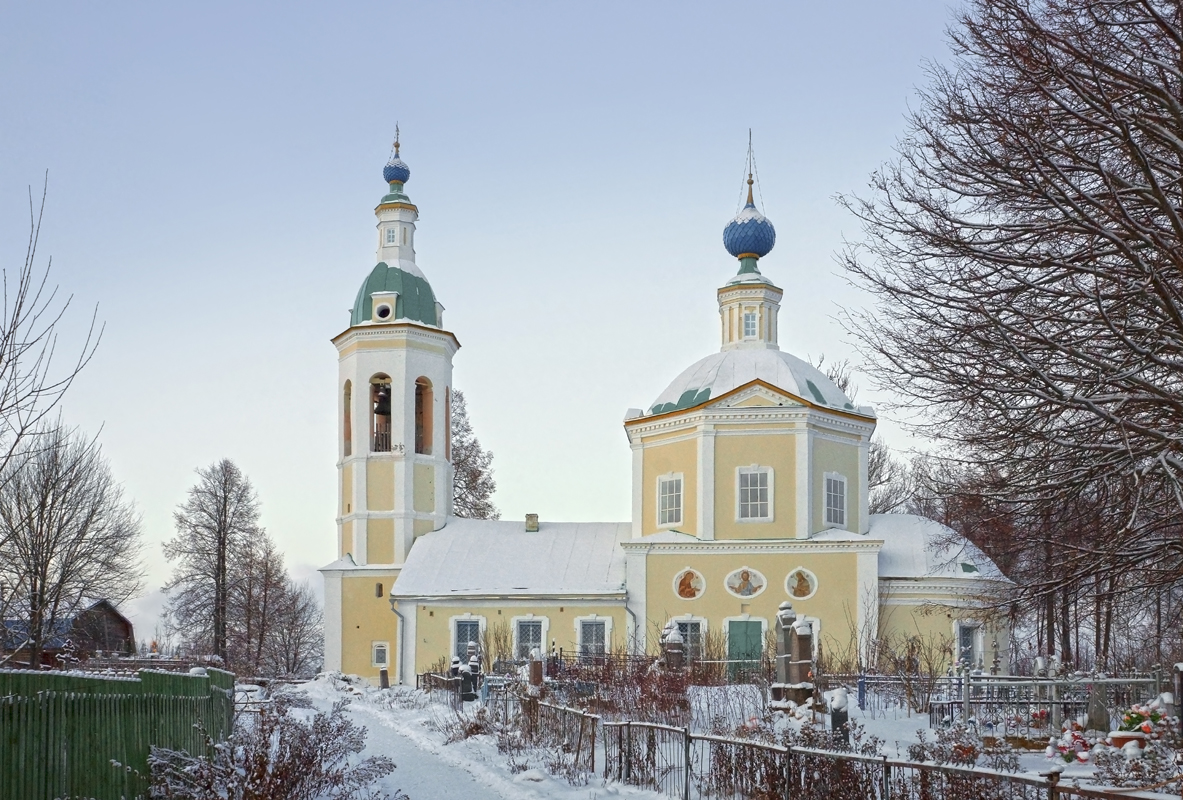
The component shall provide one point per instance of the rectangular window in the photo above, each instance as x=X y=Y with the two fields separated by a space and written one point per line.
x=380 y=650
x=669 y=501
x=592 y=638
x=691 y=639
x=529 y=638
x=754 y=488
x=467 y=630
x=392 y=236
x=967 y=644
x=835 y=500
x=749 y=324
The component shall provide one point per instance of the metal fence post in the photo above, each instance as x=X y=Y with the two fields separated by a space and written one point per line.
x=788 y=771
x=686 y=756
x=628 y=752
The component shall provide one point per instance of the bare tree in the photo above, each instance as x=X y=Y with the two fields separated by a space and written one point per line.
x=217 y=531
x=1026 y=252
x=295 y=639
x=31 y=385
x=67 y=534
x=473 y=484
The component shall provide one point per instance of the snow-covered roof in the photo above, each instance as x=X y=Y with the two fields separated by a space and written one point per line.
x=721 y=372
x=917 y=547
x=499 y=557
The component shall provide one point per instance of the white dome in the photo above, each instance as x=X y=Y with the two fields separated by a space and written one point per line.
x=719 y=373
x=918 y=547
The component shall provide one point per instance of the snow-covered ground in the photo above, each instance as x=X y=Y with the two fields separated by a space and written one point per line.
x=434 y=762
x=403 y=725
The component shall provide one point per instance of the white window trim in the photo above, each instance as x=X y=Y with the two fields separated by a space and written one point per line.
x=530 y=618
x=374 y=654
x=844 y=525
x=452 y=630
x=669 y=476
x=593 y=618
x=702 y=624
x=743 y=322
x=771 y=494
x=391 y=238
x=979 y=638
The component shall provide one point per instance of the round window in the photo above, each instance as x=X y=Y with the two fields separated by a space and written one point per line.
x=383 y=312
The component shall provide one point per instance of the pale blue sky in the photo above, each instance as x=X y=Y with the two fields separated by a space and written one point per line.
x=213 y=169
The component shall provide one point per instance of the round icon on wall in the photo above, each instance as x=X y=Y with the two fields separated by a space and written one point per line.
x=801 y=584
x=745 y=582
x=689 y=584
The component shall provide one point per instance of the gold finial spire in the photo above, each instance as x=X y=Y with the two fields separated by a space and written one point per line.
x=750 y=203
x=396 y=140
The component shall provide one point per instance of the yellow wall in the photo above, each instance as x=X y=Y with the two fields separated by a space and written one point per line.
x=380 y=541
x=424 y=499
x=380 y=484
x=660 y=459
x=767 y=450
x=934 y=623
x=842 y=458
x=346 y=493
x=834 y=602
x=346 y=538
x=423 y=526
x=435 y=637
x=366 y=618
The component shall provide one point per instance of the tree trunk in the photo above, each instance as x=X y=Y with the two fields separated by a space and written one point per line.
x=1065 y=628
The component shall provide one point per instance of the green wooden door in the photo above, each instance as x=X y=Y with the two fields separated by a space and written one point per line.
x=745 y=643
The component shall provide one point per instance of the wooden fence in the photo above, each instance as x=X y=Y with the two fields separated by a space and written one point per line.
x=67 y=735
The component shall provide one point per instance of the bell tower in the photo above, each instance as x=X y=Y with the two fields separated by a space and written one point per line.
x=394 y=397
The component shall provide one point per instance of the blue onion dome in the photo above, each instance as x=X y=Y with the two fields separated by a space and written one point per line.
x=750 y=233
x=396 y=170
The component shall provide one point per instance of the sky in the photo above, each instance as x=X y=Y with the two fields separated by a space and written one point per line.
x=213 y=169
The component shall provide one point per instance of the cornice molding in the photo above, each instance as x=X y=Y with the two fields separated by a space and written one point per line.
x=395 y=331
x=743 y=546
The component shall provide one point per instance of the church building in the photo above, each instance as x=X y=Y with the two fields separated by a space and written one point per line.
x=749 y=488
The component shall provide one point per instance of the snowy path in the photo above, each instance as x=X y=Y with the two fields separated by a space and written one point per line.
x=421 y=773
x=401 y=726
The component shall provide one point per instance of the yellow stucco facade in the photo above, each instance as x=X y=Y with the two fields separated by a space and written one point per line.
x=749 y=489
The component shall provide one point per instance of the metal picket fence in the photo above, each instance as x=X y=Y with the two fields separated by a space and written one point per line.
x=689 y=766
x=79 y=735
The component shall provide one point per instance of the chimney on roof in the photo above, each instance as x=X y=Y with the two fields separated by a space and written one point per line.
x=531 y=523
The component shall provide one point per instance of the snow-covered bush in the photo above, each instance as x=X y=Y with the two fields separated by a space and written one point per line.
x=962 y=745
x=284 y=751
x=1134 y=766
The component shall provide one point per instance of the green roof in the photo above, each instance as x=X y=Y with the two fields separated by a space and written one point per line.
x=415 y=302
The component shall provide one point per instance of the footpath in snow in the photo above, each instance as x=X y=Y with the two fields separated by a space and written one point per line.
x=402 y=725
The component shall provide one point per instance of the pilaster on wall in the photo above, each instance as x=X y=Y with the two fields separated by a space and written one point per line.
x=332 y=621
x=636 y=576
x=804 y=466
x=706 y=483
x=638 y=488
x=867 y=618
x=864 y=486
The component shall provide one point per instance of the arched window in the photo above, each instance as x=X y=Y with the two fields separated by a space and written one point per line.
x=380 y=403
x=348 y=431
x=423 y=398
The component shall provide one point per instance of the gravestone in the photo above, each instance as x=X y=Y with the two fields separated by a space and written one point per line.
x=794 y=659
